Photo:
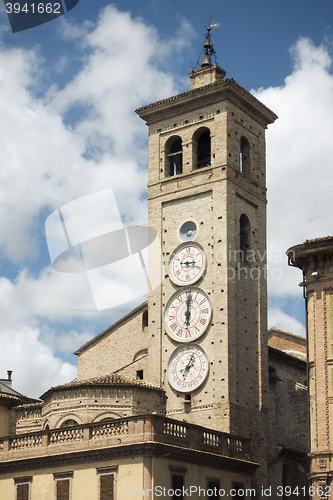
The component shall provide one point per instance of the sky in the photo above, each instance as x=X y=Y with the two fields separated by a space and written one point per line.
x=71 y=142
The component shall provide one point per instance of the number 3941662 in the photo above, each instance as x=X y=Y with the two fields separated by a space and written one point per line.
x=33 y=8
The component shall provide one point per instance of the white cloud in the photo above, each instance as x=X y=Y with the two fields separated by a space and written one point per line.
x=60 y=159
x=298 y=156
x=34 y=366
x=49 y=158
x=283 y=321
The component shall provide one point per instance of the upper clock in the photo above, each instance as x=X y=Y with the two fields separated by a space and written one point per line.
x=187 y=314
x=187 y=264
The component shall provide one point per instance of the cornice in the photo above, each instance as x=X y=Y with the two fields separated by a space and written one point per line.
x=224 y=88
x=148 y=448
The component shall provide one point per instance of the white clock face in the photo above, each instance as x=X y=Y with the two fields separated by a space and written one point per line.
x=187 y=264
x=187 y=314
x=187 y=368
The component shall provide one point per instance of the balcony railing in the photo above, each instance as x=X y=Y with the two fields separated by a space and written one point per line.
x=132 y=430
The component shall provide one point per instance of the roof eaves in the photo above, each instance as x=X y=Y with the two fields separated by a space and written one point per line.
x=227 y=83
x=109 y=380
x=272 y=351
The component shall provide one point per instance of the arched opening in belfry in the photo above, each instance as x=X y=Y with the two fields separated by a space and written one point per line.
x=174 y=156
x=202 y=148
x=244 y=157
x=244 y=236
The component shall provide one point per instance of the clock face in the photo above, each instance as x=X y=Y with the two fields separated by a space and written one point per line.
x=187 y=264
x=187 y=368
x=187 y=314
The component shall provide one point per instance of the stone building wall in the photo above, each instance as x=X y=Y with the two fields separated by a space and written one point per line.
x=288 y=426
x=123 y=349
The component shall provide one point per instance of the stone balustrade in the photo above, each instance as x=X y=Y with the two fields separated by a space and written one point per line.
x=24 y=442
x=109 y=429
x=175 y=430
x=65 y=436
x=112 y=433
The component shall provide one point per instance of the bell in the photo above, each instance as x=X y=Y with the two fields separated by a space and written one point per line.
x=207 y=43
x=207 y=61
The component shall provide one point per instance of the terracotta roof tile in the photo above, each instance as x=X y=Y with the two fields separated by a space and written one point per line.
x=113 y=379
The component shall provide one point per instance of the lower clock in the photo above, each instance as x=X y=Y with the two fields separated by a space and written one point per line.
x=187 y=368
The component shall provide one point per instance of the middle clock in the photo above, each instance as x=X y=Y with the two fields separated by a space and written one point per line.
x=187 y=314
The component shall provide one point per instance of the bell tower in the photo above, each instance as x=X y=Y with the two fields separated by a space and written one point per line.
x=207 y=202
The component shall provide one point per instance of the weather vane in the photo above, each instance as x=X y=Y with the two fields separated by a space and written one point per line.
x=212 y=25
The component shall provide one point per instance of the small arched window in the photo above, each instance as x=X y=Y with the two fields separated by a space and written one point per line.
x=244 y=236
x=201 y=148
x=204 y=150
x=69 y=423
x=144 y=320
x=174 y=157
x=244 y=158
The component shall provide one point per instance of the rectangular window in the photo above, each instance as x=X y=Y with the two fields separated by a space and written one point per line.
x=177 y=483
x=22 y=491
x=23 y=485
x=63 y=489
x=213 y=488
x=63 y=485
x=107 y=482
x=239 y=490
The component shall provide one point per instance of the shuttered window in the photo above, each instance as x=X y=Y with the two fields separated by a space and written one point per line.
x=22 y=491
x=106 y=486
x=63 y=489
x=177 y=484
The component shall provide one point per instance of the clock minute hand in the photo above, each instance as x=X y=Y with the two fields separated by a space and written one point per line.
x=188 y=311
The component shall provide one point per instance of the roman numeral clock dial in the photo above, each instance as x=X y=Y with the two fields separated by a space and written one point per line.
x=187 y=264
x=187 y=314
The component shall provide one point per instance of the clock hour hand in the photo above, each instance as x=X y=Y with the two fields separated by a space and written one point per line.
x=187 y=264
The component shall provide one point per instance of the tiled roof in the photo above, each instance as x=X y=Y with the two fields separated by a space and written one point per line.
x=113 y=379
x=9 y=397
x=30 y=406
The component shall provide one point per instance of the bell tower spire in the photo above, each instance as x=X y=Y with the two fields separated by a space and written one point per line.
x=208 y=72
x=208 y=46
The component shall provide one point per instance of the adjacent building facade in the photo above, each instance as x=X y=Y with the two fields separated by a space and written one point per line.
x=315 y=259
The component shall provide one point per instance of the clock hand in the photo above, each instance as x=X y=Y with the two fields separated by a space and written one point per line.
x=188 y=310
x=187 y=264
x=189 y=365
